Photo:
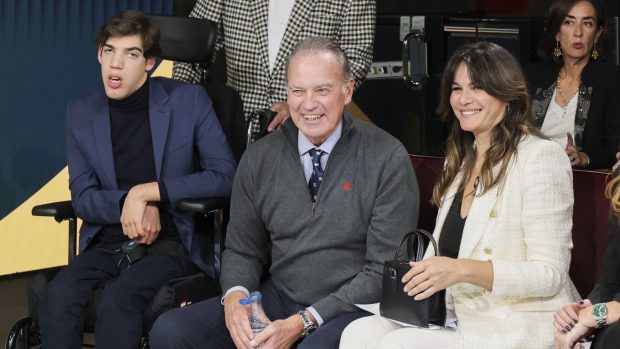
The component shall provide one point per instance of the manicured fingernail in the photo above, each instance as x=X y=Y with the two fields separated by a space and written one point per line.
x=576 y=321
x=581 y=302
x=567 y=328
x=564 y=331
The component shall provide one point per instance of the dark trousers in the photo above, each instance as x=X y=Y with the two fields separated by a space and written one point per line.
x=126 y=293
x=608 y=338
x=202 y=325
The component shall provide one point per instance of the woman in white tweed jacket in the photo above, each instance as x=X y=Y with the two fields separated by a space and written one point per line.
x=504 y=223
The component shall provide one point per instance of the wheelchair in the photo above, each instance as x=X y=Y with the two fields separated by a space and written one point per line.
x=188 y=40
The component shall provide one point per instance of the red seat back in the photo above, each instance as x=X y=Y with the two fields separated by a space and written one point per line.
x=590 y=228
x=427 y=170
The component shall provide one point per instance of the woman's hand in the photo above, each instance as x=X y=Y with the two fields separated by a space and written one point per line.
x=565 y=318
x=431 y=275
x=577 y=158
x=570 y=340
x=617 y=164
x=437 y=273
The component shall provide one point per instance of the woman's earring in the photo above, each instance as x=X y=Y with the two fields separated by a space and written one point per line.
x=595 y=55
x=557 y=51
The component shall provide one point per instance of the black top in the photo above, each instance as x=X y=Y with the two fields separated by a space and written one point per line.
x=452 y=230
x=134 y=160
x=597 y=127
x=607 y=288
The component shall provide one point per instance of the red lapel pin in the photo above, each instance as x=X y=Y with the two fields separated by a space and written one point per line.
x=346 y=186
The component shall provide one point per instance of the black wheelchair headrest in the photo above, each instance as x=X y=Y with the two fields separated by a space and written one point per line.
x=185 y=39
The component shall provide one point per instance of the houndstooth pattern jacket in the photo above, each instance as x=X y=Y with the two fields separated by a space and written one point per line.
x=243 y=36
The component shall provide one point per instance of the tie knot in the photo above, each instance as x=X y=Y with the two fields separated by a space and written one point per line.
x=315 y=153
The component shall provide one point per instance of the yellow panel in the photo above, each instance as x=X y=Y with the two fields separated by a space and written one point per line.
x=164 y=69
x=31 y=243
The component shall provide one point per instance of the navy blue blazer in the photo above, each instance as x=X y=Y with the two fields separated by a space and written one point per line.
x=191 y=154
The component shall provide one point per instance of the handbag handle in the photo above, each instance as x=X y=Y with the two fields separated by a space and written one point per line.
x=418 y=236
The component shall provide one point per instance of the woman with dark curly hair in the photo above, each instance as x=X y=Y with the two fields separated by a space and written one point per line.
x=576 y=94
x=505 y=202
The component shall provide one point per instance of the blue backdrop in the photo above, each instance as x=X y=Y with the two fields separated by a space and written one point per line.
x=47 y=57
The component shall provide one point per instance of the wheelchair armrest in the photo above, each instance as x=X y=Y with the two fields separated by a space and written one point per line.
x=61 y=210
x=206 y=206
x=203 y=205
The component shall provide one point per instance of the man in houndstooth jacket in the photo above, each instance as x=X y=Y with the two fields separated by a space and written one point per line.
x=258 y=35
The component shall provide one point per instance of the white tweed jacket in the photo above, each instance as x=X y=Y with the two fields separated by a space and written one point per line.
x=524 y=229
x=243 y=36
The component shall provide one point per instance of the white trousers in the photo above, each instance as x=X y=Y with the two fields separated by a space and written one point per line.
x=376 y=332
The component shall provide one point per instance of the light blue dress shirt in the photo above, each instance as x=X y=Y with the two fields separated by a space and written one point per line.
x=304 y=145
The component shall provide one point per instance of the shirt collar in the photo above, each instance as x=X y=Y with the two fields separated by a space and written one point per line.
x=303 y=144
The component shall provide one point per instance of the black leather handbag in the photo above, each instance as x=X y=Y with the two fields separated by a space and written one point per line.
x=395 y=303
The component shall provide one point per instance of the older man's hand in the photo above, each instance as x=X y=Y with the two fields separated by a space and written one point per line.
x=237 y=320
x=280 y=334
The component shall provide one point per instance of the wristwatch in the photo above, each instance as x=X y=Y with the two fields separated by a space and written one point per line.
x=599 y=312
x=309 y=326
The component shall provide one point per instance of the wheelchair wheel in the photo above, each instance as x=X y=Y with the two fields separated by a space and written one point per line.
x=24 y=334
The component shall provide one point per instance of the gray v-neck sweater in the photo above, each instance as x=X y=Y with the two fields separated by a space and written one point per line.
x=328 y=255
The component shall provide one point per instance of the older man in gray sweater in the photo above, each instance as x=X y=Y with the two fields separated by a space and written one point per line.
x=323 y=201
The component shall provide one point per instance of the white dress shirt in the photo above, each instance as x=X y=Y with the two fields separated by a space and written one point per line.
x=279 y=13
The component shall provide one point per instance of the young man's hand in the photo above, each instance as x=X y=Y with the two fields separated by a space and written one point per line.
x=151 y=224
x=134 y=209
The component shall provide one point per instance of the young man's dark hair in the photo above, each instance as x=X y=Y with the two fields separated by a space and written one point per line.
x=131 y=23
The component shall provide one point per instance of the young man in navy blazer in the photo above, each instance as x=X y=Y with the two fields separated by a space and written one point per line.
x=134 y=148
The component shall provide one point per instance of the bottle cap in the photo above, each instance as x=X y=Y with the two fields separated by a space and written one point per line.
x=245 y=301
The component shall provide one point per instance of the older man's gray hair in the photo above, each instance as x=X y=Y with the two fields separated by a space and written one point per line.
x=316 y=44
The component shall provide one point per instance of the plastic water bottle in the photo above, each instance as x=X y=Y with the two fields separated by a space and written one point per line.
x=258 y=318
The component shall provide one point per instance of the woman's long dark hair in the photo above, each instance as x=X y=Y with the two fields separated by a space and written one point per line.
x=494 y=70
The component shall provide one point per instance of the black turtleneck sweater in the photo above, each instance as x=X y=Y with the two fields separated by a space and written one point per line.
x=134 y=161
